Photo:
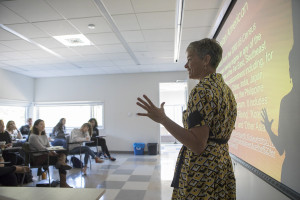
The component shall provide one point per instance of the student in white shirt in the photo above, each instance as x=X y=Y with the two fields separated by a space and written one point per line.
x=81 y=135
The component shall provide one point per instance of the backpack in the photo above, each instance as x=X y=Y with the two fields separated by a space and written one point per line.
x=76 y=162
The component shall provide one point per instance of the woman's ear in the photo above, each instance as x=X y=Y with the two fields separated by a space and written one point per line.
x=206 y=59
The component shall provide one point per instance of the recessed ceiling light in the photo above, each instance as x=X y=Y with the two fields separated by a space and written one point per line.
x=91 y=26
x=73 y=40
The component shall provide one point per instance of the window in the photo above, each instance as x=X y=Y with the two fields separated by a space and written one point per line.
x=14 y=113
x=75 y=114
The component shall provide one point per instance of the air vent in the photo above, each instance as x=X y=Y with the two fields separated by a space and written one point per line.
x=73 y=40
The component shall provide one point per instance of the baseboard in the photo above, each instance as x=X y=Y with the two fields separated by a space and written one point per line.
x=128 y=152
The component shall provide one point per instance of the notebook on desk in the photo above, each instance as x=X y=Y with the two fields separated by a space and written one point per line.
x=55 y=148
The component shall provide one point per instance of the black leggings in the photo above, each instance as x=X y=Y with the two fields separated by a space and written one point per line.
x=102 y=143
x=7 y=176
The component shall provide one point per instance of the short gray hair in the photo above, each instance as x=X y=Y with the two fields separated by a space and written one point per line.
x=205 y=47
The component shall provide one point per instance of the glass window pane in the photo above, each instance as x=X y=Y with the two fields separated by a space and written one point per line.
x=98 y=114
x=15 y=113
x=75 y=115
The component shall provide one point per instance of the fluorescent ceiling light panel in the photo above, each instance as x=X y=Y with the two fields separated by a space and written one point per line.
x=178 y=28
x=73 y=40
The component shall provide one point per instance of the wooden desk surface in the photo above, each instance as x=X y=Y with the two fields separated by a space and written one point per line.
x=45 y=193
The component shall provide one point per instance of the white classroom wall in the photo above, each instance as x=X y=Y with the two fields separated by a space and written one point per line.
x=119 y=94
x=16 y=87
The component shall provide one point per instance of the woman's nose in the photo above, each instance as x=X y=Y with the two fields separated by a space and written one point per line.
x=186 y=65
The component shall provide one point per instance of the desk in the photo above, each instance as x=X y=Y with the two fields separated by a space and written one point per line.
x=38 y=193
x=18 y=142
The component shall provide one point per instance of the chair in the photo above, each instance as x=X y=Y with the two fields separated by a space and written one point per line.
x=95 y=144
x=69 y=153
x=29 y=159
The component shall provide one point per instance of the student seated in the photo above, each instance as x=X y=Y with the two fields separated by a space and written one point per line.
x=38 y=141
x=7 y=174
x=12 y=157
x=4 y=135
x=81 y=135
x=101 y=141
x=13 y=131
x=58 y=133
x=25 y=129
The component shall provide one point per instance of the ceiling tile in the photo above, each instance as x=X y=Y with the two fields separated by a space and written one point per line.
x=126 y=22
x=156 y=20
x=112 y=48
x=4 y=48
x=133 y=36
x=191 y=18
x=159 y=35
x=103 y=38
x=9 y=17
x=66 y=52
x=118 y=56
x=5 y=35
x=13 y=55
x=138 y=46
x=28 y=30
x=75 y=8
x=82 y=25
x=55 y=28
x=118 y=6
x=201 y=4
x=91 y=57
x=123 y=62
x=19 y=45
x=49 y=42
x=130 y=69
x=160 y=46
x=193 y=34
x=112 y=70
x=95 y=64
x=153 y=5
x=85 y=50
x=38 y=54
x=33 y=10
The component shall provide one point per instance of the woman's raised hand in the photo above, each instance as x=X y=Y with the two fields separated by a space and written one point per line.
x=156 y=114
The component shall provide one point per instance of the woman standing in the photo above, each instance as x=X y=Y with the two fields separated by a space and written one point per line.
x=203 y=169
x=38 y=141
x=58 y=133
x=99 y=140
x=81 y=135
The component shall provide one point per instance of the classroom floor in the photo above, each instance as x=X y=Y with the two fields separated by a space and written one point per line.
x=130 y=177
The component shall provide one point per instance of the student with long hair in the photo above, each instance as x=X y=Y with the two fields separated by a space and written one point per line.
x=4 y=135
x=13 y=131
x=58 y=133
x=38 y=141
x=101 y=141
x=81 y=135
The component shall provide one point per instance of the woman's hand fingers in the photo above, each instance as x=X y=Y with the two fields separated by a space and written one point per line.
x=148 y=100
x=142 y=106
x=155 y=113
x=144 y=103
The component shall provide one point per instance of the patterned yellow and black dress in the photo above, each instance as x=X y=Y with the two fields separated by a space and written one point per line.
x=208 y=176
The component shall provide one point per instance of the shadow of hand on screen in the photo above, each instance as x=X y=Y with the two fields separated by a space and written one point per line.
x=288 y=138
x=268 y=126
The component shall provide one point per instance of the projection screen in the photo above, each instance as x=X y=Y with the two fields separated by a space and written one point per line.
x=260 y=41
